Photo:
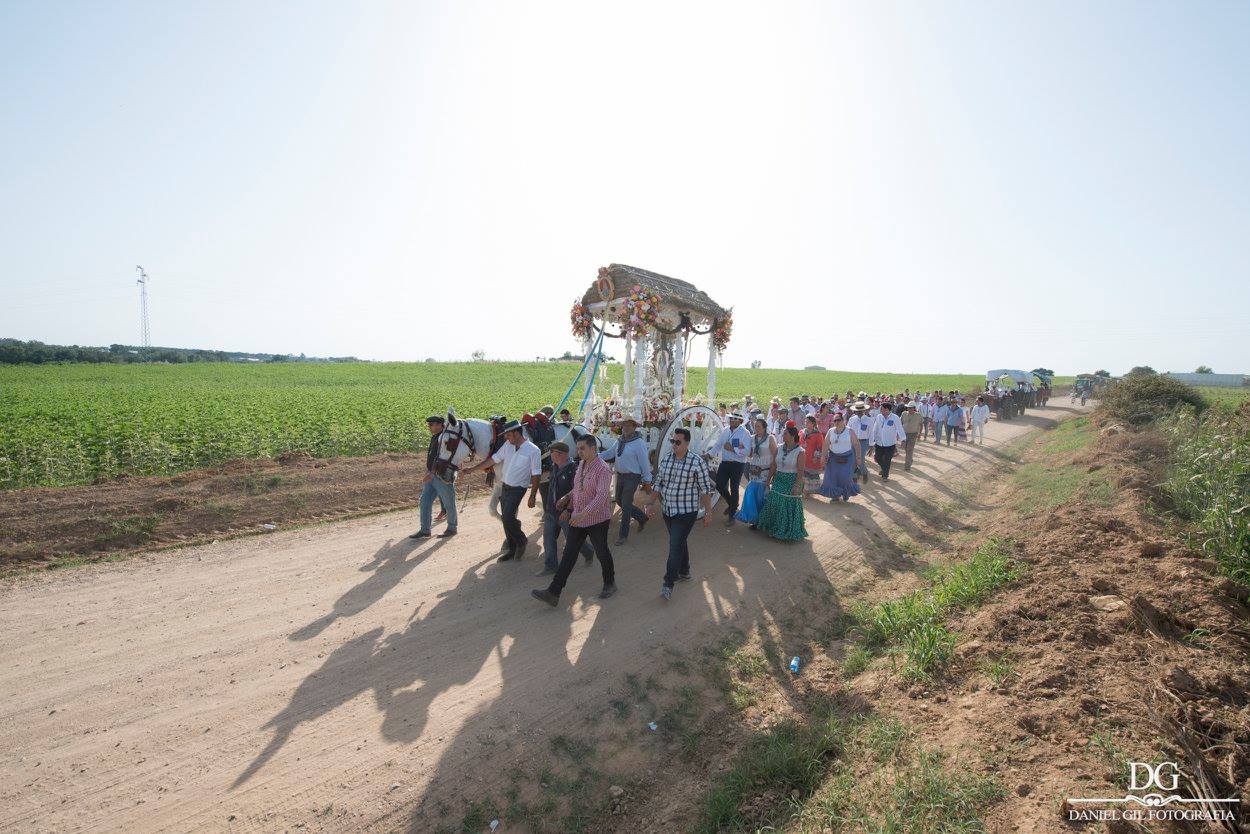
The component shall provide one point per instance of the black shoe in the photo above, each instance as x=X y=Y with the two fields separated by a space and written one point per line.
x=508 y=556
x=684 y=577
x=608 y=590
x=546 y=596
x=446 y=534
x=420 y=534
x=505 y=547
x=520 y=549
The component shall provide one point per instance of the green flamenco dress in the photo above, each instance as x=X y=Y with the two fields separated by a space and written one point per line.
x=782 y=515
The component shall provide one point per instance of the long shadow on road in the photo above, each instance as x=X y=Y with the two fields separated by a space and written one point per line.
x=550 y=661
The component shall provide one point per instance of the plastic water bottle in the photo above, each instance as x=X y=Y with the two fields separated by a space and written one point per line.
x=794 y=665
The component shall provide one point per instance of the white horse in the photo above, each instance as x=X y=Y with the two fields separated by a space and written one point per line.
x=484 y=437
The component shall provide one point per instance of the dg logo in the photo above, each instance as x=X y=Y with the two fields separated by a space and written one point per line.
x=1154 y=776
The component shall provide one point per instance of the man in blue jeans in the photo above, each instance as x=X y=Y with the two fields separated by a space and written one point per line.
x=940 y=412
x=633 y=469
x=954 y=419
x=443 y=458
x=682 y=484
x=559 y=485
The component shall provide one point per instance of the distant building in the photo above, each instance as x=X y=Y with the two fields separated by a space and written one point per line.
x=1216 y=380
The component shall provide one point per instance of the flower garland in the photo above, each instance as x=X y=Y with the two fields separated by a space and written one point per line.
x=657 y=409
x=641 y=311
x=581 y=320
x=722 y=329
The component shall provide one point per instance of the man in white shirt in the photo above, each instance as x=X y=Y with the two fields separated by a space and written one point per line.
x=889 y=433
x=980 y=416
x=861 y=426
x=734 y=444
x=521 y=465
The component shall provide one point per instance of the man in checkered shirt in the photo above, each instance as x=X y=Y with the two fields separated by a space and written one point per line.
x=682 y=484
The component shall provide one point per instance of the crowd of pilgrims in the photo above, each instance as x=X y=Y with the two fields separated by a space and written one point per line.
x=784 y=452
x=822 y=446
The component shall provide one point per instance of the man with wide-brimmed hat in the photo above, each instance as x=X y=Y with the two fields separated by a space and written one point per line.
x=443 y=458
x=734 y=443
x=521 y=465
x=860 y=424
x=633 y=469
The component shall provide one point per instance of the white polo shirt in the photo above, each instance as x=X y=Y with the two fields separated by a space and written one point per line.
x=739 y=434
x=890 y=430
x=519 y=464
x=861 y=425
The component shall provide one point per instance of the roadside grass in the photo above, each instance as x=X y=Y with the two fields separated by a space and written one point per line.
x=1106 y=745
x=1208 y=482
x=1051 y=479
x=862 y=773
x=1000 y=669
x=790 y=756
x=262 y=484
x=912 y=624
x=855 y=661
x=135 y=529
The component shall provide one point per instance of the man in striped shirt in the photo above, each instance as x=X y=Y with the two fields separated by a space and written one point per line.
x=587 y=510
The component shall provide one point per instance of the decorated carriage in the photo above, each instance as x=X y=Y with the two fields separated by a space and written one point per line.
x=657 y=319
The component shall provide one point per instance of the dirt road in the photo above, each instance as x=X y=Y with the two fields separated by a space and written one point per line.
x=326 y=678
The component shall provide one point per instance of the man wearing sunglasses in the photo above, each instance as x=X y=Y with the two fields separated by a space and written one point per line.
x=682 y=484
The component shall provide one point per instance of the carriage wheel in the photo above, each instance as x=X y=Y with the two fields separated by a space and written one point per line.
x=705 y=427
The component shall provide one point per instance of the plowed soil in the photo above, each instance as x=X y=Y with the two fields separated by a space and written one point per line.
x=46 y=527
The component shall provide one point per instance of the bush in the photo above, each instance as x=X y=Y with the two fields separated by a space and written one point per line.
x=1142 y=398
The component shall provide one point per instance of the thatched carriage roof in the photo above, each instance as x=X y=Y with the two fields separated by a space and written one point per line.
x=674 y=293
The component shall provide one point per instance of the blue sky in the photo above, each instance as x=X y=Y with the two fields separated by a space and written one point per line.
x=967 y=185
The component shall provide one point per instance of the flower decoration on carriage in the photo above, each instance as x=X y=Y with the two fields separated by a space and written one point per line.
x=657 y=409
x=722 y=329
x=642 y=310
x=581 y=320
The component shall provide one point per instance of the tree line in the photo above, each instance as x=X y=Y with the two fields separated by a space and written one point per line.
x=17 y=352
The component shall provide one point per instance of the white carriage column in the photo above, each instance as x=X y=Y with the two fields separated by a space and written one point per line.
x=711 y=371
x=629 y=370
x=679 y=370
x=640 y=375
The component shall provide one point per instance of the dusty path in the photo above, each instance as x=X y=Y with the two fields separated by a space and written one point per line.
x=326 y=678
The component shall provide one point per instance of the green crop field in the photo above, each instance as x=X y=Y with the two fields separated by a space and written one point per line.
x=1224 y=395
x=75 y=424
